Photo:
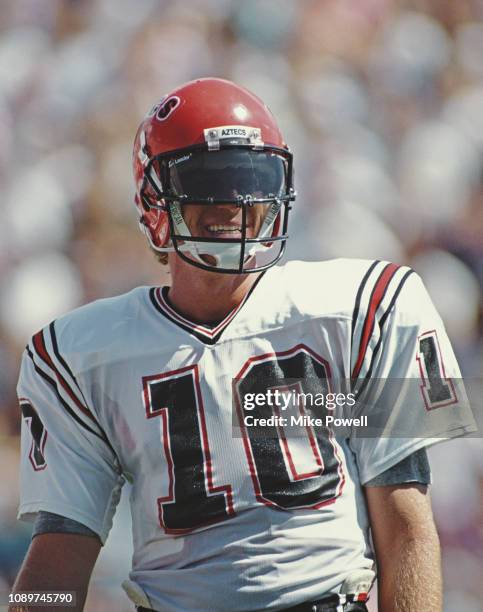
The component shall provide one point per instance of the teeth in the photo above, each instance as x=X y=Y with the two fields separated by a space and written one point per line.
x=224 y=228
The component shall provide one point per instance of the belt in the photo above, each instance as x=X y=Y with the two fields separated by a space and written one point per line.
x=333 y=603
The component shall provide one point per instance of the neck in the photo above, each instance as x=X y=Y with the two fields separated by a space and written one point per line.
x=203 y=296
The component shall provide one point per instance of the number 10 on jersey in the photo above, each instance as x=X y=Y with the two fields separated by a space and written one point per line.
x=192 y=500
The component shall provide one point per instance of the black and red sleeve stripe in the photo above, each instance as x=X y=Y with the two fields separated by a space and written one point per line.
x=375 y=299
x=52 y=367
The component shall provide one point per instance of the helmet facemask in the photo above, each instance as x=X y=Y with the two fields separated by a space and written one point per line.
x=228 y=175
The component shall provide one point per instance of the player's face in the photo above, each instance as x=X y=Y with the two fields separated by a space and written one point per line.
x=223 y=220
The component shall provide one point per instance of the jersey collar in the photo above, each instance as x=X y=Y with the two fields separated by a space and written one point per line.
x=208 y=334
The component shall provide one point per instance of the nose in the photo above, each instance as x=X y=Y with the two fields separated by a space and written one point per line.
x=228 y=208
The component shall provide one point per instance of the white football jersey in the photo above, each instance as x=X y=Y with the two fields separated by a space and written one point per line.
x=227 y=515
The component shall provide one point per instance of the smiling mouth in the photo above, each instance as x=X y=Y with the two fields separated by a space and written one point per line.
x=224 y=229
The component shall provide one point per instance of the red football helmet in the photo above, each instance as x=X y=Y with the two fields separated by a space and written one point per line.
x=211 y=142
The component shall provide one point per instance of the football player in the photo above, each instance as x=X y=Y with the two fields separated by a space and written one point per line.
x=231 y=512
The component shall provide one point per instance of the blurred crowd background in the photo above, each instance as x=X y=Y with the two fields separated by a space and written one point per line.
x=382 y=104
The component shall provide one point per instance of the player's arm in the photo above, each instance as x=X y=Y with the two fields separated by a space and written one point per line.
x=70 y=476
x=59 y=562
x=407 y=548
x=399 y=336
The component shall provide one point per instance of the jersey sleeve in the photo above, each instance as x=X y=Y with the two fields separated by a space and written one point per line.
x=68 y=466
x=403 y=372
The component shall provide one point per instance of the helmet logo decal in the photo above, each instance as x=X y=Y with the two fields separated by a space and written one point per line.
x=167 y=107
x=179 y=160
x=233 y=131
x=232 y=134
